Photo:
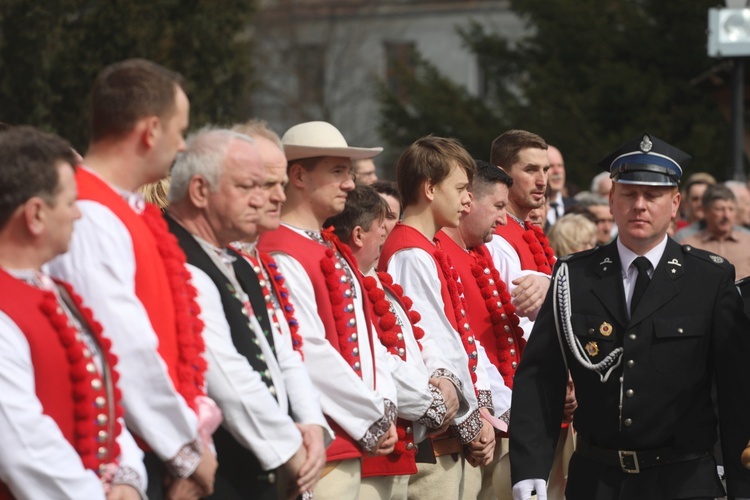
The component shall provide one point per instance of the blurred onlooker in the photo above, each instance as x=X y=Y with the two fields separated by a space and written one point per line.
x=601 y=184
x=692 y=204
x=364 y=170
x=538 y=216
x=156 y=192
x=720 y=236
x=601 y=216
x=742 y=195
x=572 y=233
x=388 y=190
x=557 y=203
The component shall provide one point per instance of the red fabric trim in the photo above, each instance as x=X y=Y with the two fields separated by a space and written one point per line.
x=191 y=364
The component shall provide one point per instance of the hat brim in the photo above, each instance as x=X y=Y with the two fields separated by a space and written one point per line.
x=645 y=178
x=294 y=152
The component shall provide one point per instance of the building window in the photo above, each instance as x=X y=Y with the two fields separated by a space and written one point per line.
x=400 y=64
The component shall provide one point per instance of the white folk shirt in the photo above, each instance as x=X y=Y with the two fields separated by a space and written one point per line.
x=415 y=270
x=508 y=264
x=352 y=402
x=36 y=461
x=256 y=419
x=100 y=265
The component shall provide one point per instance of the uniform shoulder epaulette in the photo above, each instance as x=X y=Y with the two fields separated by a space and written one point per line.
x=705 y=255
x=577 y=255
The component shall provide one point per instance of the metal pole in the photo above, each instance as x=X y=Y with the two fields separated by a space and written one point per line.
x=738 y=120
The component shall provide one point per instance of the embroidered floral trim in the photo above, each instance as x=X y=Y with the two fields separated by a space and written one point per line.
x=469 y=429
x=505 y=417
x=455 y=290
x=97 y=409
x=129 y=476
x=265 y=266
x=189 y=327
x=391 y=411
x=369 y=442
x=186 y=461
x=484 y=398
x=435 y=414
x=445 y=373
x=282 y=295
x=544 y=256
x=341 y=293
x=509 y=341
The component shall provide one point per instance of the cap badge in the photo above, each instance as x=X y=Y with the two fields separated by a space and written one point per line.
x=592 y=349
x=646 y=143
x=606 y=329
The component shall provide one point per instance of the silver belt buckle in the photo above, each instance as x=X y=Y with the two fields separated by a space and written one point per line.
x=629 y=462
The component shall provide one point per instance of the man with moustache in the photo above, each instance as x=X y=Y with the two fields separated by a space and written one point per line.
x=131 y=272
x=61 y=428
x=254 y=374
x=357 y=393
x=645 y=327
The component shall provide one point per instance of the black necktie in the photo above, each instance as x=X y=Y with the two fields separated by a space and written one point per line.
x=554 y=205
x=641 y=283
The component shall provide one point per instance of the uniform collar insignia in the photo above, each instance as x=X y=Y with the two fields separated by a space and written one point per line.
x=674 y=262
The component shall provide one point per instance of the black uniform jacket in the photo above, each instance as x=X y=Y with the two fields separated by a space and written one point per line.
x=688 y=329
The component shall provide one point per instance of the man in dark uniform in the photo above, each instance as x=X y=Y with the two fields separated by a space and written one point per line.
x=646 y=325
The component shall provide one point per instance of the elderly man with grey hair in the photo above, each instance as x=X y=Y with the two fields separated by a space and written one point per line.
x=254 y=374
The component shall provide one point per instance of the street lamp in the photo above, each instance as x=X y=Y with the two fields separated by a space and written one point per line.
x=729 y=36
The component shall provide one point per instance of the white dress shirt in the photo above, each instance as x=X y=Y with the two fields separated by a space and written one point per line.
x=630 y=272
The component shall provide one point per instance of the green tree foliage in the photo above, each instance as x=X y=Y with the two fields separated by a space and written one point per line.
x=50 y=53
x=589 y=75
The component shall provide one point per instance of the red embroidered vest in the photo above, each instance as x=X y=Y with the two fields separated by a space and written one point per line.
x=83 y=402
x=491 y=314
x=530 y=244
x=161 y=284
x=327 y=277
x=402 y=460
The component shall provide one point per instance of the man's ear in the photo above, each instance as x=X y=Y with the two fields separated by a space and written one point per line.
x=149 y=130
x=296 y=175
x=357 y=237
x=198 y=191
x=429 y=188
x=35 y=215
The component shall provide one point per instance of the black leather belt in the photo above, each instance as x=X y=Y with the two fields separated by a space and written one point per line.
x=632 y=462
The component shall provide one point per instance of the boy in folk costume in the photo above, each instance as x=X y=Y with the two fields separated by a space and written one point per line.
x=422 y=406
x=61 y=428
x=357 y=392
x=131 y=271
x=433 y=177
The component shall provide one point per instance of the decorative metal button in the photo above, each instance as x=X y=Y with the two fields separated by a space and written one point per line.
x=410 y=446
x=267 y=297
x=100 y=401
x=494 y=293
x=629 y=393
x=400 y=336
x=507 y=329
x=353 y=338
x=401 y=351
x=355 y=351
x=503 y=316
x=343 y=279
x=86 y=353
x=408 y=430
x=492 y=282
x=348 y=293
x=102 y=436
x=511 y=341
x=463 y=313
x=630 y=363
x=512 y=352
x=467 y=327
x=514 y=364
x=627 y=422
x=272 y=390
x=90 y=368
x=591 y=330
x=101 y=453
x=357 y=366
x=101 y=419
x=337 y=265
x=262 y=283
x=680 y=330
x=632 y=336
x=486 y=270
x=349 y=308
x=470 y=340
x=96 y=384
x=351 y=322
